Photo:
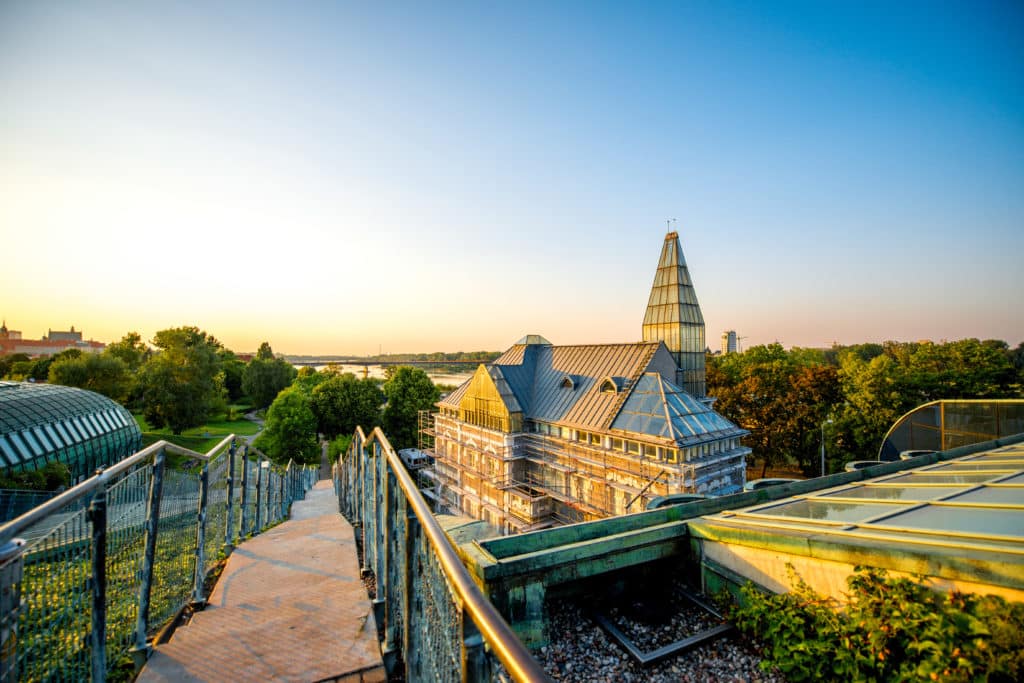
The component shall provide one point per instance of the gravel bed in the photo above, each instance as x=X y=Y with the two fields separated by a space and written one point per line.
x=662 y=621
x=578 y=650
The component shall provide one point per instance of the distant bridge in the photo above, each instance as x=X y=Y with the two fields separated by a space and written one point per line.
x=388 y=363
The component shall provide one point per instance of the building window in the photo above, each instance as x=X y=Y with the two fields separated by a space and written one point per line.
x=633 y=447
x=650 y=451
x=608 y=386
x=616 y=444
x=567 y=383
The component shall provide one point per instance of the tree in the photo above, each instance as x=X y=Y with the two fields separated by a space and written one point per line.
x=290 y=429
x=182 y=383
x=408 y=391
x=342 y=402
x=265 y=376
x=131 y=350
x=100 y=372
x=265 y=352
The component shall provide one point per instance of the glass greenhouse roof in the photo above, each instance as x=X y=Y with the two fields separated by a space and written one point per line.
x=973 y=501
x=657 y=407
x=43 y=422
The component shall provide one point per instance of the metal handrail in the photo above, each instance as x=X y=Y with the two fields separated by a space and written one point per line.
x=11 y=529
x=499 y=635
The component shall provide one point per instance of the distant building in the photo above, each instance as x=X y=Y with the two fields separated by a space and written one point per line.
x=728 y=342
x=550 y=434
x=70 y=335
x=6 y=334
x=54 y=342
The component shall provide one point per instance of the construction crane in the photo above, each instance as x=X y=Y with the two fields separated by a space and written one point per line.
x=739 y=344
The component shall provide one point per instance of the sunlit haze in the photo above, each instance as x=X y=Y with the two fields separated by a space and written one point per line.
x=348 y=178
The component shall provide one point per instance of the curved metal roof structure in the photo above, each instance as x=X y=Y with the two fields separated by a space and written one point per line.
x=41 y=423
x=949 y=423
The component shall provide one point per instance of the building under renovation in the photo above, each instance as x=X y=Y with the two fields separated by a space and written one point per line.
x=550 y=434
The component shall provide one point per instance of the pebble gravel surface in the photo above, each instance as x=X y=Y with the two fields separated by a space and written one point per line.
x=579 y=650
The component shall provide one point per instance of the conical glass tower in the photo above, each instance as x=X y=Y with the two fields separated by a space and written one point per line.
x=673 y=316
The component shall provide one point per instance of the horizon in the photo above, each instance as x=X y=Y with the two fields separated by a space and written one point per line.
x=344 y=180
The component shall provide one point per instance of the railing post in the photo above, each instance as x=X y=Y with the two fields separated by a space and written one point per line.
x=289 y=475
x=229 y=536
x=475 y=664
x=244 y=528
x=411 y=641
x=156 y=488
x=280 y=495
x=388 y=585
x=97 y=516
x=259 y=488
x=365 y=505
x=11 y=565
x=204 y=495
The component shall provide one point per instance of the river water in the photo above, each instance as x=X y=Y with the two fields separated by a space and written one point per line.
x=377 y=371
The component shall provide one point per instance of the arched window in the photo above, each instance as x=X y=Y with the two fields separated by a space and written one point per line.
x=608 y=386
x=567 y=383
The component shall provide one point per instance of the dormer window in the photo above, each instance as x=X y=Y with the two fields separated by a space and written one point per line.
x=567 y=383
x=608 y=386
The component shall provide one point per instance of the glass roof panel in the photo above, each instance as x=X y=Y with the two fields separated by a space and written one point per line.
x=826 y=511
x=1017 y=479
x=995 y=495
x=976 y=466
x=939 y=478
x=909 y=493
x=982 y=521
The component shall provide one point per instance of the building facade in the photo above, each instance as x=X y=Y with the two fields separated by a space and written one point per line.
x=547 y=435
x=728 y=342
x=55 y=341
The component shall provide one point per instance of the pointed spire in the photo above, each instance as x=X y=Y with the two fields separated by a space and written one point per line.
x=673 y=316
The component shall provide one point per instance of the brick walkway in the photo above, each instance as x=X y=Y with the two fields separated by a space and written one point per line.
x=288 y=607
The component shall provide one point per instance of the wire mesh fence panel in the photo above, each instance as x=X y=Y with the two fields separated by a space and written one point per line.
x=127 y=509
x=439 y=623
x=56 y=600
x=216 y=510
x=174 y=566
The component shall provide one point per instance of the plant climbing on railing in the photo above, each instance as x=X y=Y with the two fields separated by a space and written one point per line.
x=888 y=629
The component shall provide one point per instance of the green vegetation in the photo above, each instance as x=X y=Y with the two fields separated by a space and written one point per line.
x=784 y=397
x=887 y=630
x=408 y=391
x=338 y=445
x=290 y=432
x=266 y=376
x=200 y=439
x=51 y=477
x=182 y=384
x=342 y=402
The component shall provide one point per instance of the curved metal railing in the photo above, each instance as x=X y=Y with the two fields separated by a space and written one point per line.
x=434 y=617
x=86 y=576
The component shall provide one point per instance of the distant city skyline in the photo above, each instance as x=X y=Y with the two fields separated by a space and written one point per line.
x=449 y=176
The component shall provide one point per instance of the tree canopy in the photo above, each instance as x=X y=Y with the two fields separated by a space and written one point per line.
x=100 y=372
x=408 y=391
x=265 y=376
x=182 y=383
x=855 y=392
x=342 y=402
x=290 y=429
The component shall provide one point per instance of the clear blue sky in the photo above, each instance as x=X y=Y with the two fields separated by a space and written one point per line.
x=427 y=176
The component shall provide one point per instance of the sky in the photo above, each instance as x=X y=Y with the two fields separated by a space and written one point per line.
x=404 y=177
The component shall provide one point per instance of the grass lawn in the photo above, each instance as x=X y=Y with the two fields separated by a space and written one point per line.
x=200 y=439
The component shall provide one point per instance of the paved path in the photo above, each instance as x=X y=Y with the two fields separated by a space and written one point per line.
x=288 y=607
